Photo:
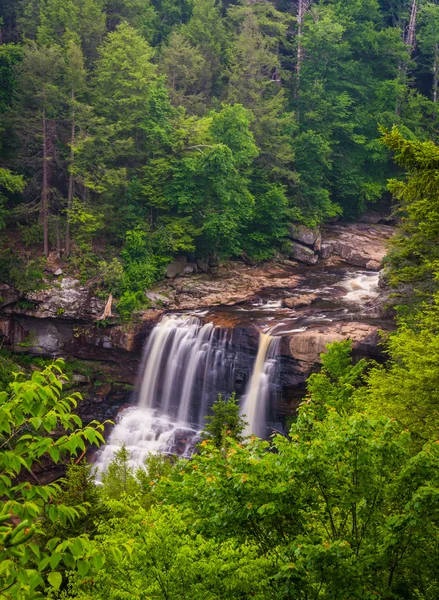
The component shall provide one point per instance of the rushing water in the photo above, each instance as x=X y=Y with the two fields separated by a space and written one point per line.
x=186 y=363
x=254 y=407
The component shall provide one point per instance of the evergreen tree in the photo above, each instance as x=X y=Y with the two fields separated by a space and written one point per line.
x=225 y=422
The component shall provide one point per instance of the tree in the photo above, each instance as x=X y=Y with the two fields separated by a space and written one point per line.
x=225 y=422
x=119 y=478
x=205 y=30
x=80 y=492
x=428 y=39
x=39 y=106
x=183 y=65
x=76 y=81
x=9 y=182
x=31 y=411
x=414 y=255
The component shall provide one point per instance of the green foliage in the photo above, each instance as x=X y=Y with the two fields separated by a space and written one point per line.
x=405 y=388
x=208 y=126
x=119 y=479
x=225 y=423
x=30 y=413
x=414 y=254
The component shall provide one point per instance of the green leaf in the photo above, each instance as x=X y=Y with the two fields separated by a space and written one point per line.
x=55 y=579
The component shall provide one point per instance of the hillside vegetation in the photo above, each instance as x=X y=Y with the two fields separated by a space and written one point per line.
x=134 y=130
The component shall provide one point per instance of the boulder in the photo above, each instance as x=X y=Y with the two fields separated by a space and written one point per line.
x=66 y=299
x=8 y=295
x=306 y=235
x=299 y=301
x=302 y=253
x=176 y=267
x=357 y=244
x=203 y=265
x=157 y=299
x=306 y=346
x=370 y=217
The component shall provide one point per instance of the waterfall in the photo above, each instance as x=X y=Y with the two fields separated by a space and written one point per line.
x=256 y=399
x=185 y=365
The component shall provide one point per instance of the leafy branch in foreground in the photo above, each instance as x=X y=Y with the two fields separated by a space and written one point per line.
x=36 y=425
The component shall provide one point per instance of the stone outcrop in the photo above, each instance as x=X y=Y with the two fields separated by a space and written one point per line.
x=302 y=253
x=299 y=301
x=230 y=284
x=357 y=244
x=306 y=235
x=305 y=347
x=176 y=267
x=66 y=299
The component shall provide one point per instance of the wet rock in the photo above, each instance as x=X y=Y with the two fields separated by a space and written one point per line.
x=305 y=235
x=79 y=378
x=176 y=267
x=384 y=278
x=373 y=265
x=299 y=301
x=302 y=253
x=357 y=244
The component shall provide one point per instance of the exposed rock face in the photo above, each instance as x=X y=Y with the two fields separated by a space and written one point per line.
x=307 y=236
x=299 y=301
x=64 y=300
x=357 y=244
x=302 y=253
x=305 y=347
x=176 y=267
x=229 y=285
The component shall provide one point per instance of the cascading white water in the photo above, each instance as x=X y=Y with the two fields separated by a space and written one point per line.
x=255 y=401
x=361 y=288
x=185 y=364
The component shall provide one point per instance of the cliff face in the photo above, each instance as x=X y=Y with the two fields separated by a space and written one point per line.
x=64 y=319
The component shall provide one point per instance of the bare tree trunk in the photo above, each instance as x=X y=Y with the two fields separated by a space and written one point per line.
x=409 y=40
x=302 y=8
x=45 y=189
x=436 y=52
x=58 y=238
x=411 y=31
x=71 y=178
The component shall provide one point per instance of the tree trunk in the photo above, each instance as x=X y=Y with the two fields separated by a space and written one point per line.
x=299 y=56
x=58 y=238
x=436 y=52
x=302 y=8
x=71 y=179
x=409 y=39
x=45 y=188
x=411 y=31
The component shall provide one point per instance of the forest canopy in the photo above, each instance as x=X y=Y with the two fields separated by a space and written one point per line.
x=134 y=130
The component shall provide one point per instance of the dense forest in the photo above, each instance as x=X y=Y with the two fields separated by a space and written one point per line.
x=344 y=507
x=132 y=131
